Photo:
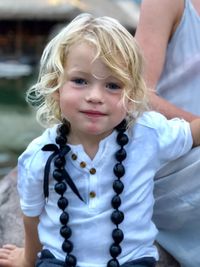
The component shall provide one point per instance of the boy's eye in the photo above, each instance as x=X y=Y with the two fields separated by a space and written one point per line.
x=113 y=86
x=79 y=81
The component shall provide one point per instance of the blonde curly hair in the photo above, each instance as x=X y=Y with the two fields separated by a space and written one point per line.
x=115 y=46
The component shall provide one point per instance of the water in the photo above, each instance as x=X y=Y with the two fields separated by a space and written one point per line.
x=17 y=121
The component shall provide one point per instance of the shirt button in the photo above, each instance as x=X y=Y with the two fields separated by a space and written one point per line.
x=92 y=194
x=92 y=171
x=83 y=164
x=74 y=156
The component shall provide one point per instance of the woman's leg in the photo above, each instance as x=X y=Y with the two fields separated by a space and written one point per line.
x=177 y=208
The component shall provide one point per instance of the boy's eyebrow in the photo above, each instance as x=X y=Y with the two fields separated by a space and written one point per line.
x=77 y=71
x=88 y=73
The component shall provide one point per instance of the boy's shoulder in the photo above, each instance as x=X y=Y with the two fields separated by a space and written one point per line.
x=151 y=119
x=33 y=156
x=47 y=137
x=156 y=122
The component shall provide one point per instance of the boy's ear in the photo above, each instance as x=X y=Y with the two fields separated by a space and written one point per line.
x=56 y=95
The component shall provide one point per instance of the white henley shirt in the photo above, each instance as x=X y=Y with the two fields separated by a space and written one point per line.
x=153 y=142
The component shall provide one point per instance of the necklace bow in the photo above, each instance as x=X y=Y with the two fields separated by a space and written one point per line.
x=59 y=155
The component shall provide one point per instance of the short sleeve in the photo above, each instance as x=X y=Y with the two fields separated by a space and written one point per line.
x=173 y=137
x=30 y=177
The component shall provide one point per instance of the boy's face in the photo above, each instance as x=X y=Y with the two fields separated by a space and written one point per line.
x=91 y=97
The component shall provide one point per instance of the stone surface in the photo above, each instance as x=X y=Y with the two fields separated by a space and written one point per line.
x=11 y=224
x=11 y=230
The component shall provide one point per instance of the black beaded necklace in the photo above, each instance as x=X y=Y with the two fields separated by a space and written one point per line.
x=63 y=180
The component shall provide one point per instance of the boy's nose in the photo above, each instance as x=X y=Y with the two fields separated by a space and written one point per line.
x=95 y=94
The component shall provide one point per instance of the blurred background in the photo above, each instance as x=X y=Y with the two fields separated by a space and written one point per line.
x=25 y=28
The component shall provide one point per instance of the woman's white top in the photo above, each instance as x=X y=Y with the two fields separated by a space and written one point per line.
x=180 y=79
x=153 y=142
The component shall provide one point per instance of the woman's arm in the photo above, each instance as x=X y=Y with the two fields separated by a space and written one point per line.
x=12 y=256
x=158 y=21
x=195 y=129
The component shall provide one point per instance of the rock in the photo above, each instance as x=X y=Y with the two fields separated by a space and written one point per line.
x=11 y=223
x=11 y=230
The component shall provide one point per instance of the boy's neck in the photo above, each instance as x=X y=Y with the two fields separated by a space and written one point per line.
x=89 y=143
x=91 y=151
